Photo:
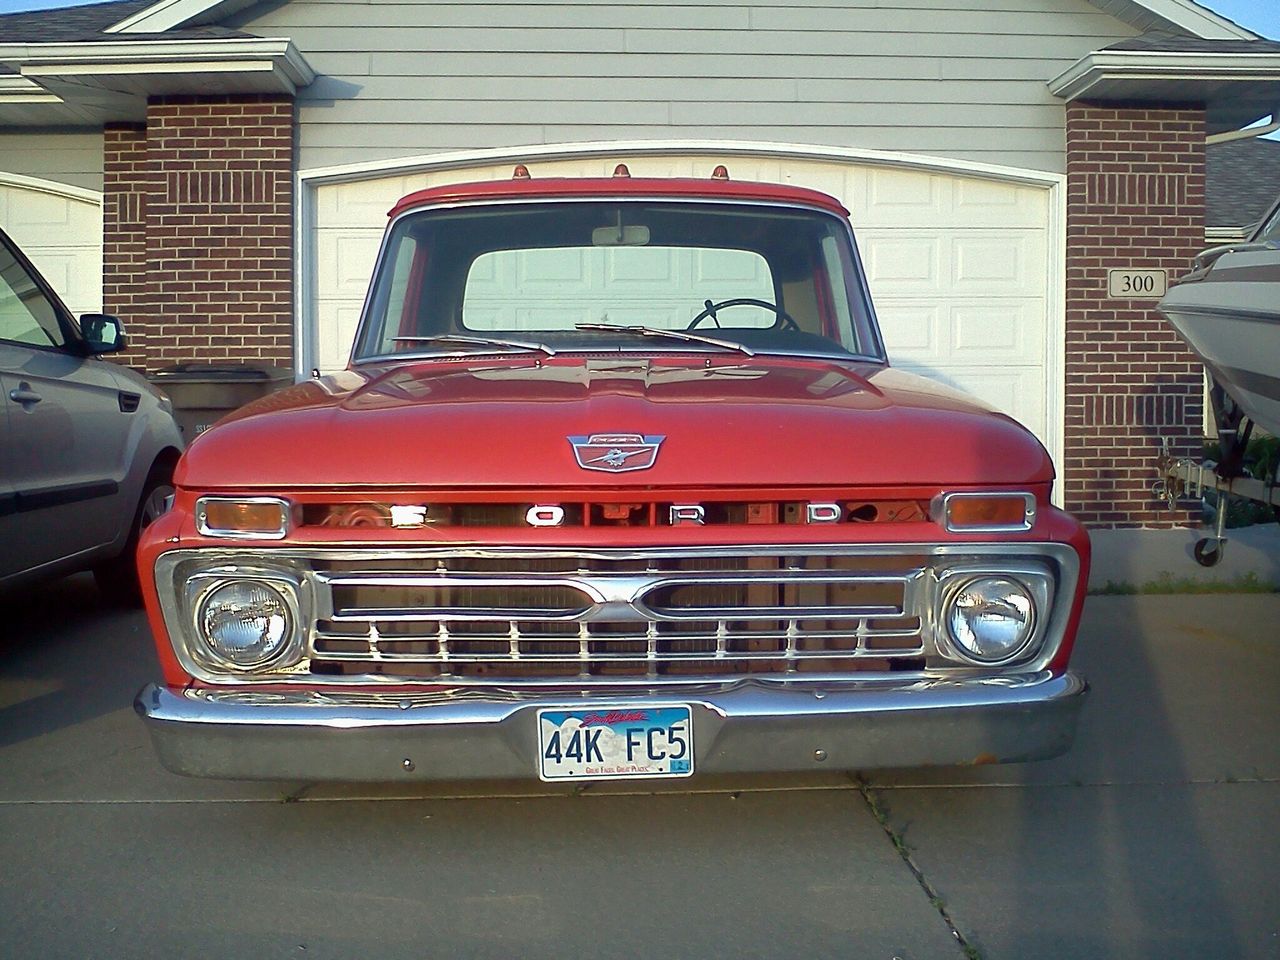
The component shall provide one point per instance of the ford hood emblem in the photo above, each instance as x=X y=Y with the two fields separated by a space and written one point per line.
x=616 y=452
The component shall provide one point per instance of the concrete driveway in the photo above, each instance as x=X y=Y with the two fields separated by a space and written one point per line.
x=1158 y=836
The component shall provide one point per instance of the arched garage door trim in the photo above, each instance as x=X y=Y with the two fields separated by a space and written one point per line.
x=49 y=186
x=309 y=181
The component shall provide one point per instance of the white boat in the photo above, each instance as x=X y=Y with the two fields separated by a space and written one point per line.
x=1228 y=311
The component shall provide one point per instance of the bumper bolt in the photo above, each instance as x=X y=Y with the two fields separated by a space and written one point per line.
x=409 y=765
x=819 y=755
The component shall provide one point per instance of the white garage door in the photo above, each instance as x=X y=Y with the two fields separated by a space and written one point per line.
x=60 y=230
x=958 y=265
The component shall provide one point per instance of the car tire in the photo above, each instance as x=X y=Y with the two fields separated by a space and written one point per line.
x=117 y=578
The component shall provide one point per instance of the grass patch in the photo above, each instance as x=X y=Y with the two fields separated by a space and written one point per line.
x=1167 y=583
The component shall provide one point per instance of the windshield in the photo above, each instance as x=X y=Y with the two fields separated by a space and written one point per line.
x=618 y=275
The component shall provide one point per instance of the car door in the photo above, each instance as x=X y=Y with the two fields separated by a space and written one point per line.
x=67 y=443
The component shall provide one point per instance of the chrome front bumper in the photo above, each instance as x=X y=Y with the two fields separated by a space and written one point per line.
x=750 y=726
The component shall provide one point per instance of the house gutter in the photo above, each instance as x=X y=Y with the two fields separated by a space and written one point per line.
x=1247 y=133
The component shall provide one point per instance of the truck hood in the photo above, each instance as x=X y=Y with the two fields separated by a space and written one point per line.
x=506 y=422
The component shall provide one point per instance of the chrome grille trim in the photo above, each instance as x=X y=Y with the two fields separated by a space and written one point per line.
x=919 y=564
x=610 y=601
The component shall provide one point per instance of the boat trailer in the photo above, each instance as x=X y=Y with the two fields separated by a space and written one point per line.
x=1181 y=478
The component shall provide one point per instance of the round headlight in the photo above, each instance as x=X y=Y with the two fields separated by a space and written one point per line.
x=246 y=622
x=991 y=618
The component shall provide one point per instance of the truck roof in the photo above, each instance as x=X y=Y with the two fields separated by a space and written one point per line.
x=533 y=188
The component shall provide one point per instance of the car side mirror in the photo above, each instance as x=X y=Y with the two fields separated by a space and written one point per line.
x=103 y=333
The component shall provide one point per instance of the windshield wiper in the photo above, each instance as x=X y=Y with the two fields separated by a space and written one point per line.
x=479 y=342
x=669 y=334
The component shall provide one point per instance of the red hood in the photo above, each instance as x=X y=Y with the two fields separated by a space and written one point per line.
x=505 y=423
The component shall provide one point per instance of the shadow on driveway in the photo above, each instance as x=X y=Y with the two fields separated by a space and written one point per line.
x=1156 y=836
x=67 y=656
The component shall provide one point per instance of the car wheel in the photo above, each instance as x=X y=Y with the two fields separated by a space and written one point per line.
x=118 y=578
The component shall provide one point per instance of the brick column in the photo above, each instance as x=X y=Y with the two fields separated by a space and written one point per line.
x=124 y=235
x=1135 y=198
x=219 y=234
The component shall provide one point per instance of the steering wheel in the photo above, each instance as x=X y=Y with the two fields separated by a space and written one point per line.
x=709 y=309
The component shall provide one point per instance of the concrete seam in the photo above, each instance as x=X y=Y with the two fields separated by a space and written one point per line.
x=900 y=845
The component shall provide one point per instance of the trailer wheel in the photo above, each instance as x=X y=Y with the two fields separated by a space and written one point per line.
x=1208 y=552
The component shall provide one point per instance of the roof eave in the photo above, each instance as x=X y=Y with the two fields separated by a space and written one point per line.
x=1237 y=89
x=170 y=14
x=1180 y=16
x=1086 y=76
x=163 y=67
x=17 y=89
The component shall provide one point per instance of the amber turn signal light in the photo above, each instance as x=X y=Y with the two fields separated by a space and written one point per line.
x=986 y=512
x=255 y=518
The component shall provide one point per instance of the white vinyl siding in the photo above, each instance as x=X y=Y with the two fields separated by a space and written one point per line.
x=73 y=157
x=947 y=78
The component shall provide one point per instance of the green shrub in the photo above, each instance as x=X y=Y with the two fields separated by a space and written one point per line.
x=1260 y=460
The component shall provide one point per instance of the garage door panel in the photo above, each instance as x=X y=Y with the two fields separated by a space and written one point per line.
x=62 y=235
x=894 y=194
x=898 y=263
x=643 y=266
x=910 y=329
x=336 y=323
x=996 y=331
x=654 y=285
x=362 y=203
x=900 y=199
x=1010 y=263
x=986 y=203
x=847 y=183
x=75 y=273
x=350 y=255
x=985 y=332
x=30 y=209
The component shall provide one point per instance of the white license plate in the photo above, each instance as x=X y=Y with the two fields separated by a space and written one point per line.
x=613 y=743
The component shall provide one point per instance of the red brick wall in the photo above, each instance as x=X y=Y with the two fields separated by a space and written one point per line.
x=124 y=235
x=219 y=229
x=198 y=230
x=1135 y=198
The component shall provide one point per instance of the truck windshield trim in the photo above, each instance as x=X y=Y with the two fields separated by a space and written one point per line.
x=755 y=277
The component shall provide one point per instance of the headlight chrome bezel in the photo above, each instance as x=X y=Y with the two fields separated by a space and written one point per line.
x=1037 y=582
x=200 y=588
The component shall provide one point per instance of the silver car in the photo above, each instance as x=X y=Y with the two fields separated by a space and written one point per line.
x=87 y=448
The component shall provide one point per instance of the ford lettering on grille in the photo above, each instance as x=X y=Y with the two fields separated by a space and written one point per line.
x=616 y=452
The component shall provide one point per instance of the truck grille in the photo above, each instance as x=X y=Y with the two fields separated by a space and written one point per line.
x=496 y=618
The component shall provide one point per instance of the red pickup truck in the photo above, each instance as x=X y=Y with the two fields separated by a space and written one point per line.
x=619 y=483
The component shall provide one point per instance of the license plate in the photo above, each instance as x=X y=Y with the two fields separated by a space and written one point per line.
x=614 y=743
